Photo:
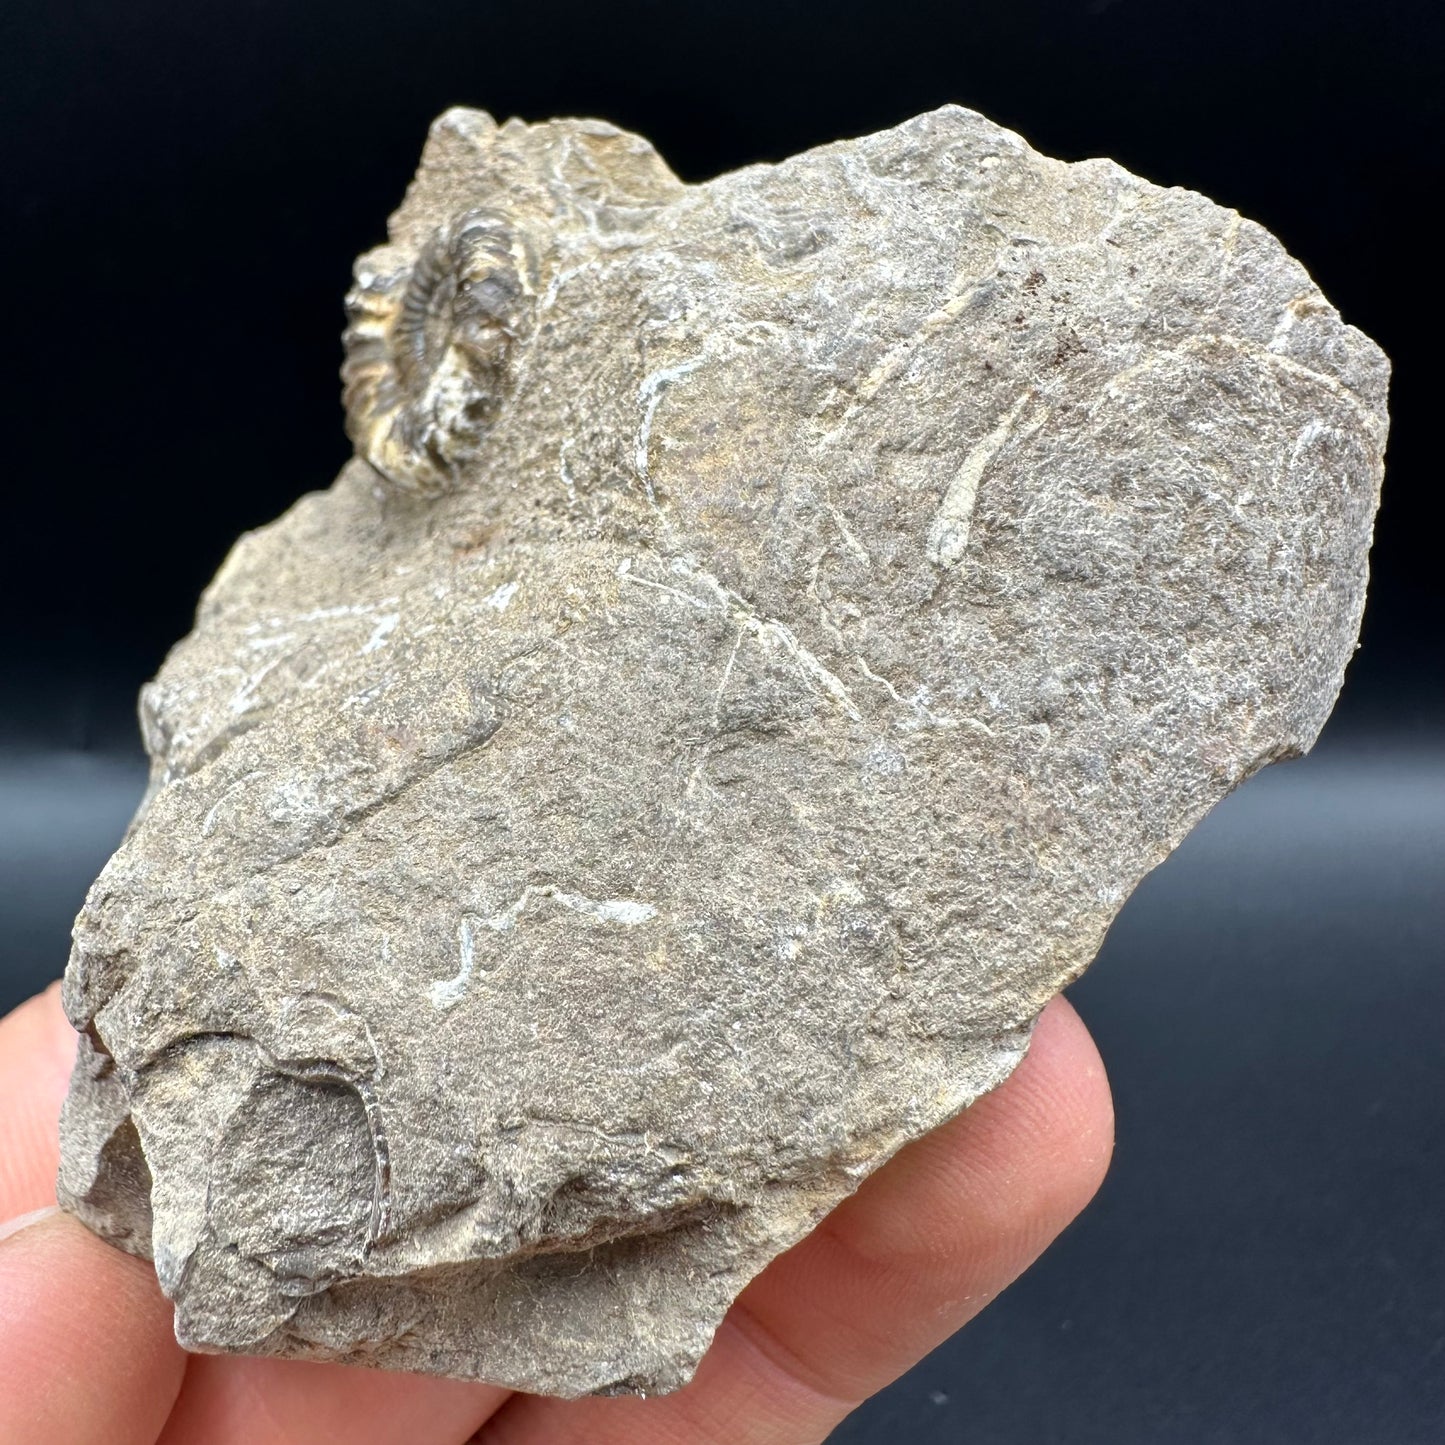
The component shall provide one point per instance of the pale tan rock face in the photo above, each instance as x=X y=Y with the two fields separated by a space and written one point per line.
x=767 y=631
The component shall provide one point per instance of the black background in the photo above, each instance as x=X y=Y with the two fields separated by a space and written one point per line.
x=184 y=187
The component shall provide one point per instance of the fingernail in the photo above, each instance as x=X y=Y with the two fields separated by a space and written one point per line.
x=24 y=1221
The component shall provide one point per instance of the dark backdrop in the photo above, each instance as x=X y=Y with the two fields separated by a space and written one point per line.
x=184 y=186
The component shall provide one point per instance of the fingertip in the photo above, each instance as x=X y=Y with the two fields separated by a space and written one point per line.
x=39 y=1029
x=999 y=1180
x=1059 y=1104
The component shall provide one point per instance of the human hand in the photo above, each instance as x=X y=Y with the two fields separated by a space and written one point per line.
x=87 y=1354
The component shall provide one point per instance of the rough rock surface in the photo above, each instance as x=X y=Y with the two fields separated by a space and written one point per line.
x=767 y=631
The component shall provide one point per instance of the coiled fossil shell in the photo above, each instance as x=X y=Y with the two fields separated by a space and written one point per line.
x=428 y=347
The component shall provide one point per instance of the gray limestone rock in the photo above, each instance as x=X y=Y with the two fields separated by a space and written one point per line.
x=767 y=630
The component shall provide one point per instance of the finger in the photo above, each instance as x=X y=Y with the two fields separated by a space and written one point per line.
x=87 y=1355
x=37 y=1048
x=86 y=1348
x=917 y=1252
x=234 y=1400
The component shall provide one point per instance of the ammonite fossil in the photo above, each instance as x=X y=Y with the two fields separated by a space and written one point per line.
x=427 y=349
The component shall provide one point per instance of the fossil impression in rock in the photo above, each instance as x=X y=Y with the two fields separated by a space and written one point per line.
x=765 y=633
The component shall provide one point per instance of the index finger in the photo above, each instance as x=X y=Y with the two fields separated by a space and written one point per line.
x=37 y=1048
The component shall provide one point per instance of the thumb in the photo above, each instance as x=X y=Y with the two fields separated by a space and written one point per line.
x=86 y=1350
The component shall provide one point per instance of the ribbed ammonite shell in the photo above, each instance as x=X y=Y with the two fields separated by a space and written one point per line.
x=427 y=348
